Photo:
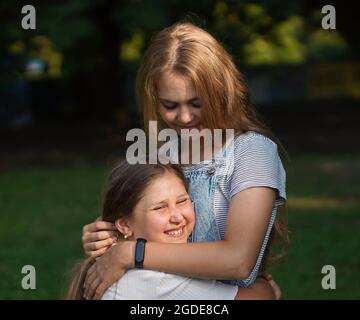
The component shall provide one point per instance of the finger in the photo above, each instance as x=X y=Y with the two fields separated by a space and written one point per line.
x=91 y=276
x=99 y=235
x=88 y=274
x=97 y=254
x=91 y=289
x=100 y=290
x=97 y=245
x=99 y=225
x=263 y=277
x=267 y=277
x=276 y=289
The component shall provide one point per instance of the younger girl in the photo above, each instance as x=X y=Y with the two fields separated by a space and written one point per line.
x=151 y=202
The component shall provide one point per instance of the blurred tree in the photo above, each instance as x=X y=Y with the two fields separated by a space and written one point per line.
x=260 y=32
x=95 y=45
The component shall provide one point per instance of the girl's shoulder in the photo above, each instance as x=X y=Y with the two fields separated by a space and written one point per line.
x=255 y=162
x=250 y=146
x=252 y=139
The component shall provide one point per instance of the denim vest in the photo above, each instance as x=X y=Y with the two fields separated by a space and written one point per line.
x=202 y=182
x=202 y=179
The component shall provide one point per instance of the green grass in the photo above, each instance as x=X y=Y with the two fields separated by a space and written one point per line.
x=42 y=213
x=324 y=220
x=44 y=209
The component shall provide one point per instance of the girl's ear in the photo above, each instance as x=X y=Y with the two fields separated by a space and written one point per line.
x=123 y=226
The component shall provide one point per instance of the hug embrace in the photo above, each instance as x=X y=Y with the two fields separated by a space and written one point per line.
x=198 y=230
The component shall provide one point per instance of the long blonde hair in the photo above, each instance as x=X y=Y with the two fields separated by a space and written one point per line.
x=186 y=49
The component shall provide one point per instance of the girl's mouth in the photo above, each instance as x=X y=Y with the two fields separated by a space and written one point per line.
x=175 y=233
x=189 y=128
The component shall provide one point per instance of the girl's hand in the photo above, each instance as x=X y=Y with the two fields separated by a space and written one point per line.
x=109 y=268
x=274 y=286
x=97 y=237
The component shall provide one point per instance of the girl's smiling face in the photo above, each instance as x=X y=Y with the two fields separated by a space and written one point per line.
x=164 y=213
x=179 y=106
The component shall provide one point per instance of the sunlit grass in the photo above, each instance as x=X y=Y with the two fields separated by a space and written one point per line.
x=321 y=203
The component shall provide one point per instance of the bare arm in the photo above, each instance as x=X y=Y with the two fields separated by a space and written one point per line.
x=232 y=258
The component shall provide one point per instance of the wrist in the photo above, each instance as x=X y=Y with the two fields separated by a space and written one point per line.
x=127 y=254
x=131 y=262
x=139 y=253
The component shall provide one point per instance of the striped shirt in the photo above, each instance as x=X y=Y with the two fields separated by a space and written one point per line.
x=252 y=162
x=256 y=164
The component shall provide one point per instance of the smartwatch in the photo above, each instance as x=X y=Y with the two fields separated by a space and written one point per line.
x=140 y=252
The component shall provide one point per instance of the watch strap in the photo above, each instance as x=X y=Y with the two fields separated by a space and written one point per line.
x=140 y=252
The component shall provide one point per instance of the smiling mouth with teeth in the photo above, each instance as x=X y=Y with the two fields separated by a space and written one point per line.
x=175 y=233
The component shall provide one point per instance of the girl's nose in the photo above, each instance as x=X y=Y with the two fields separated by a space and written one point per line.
x=185 y=115
x=176 y=215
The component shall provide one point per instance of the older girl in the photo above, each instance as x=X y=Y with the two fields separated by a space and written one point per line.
x=187 y=80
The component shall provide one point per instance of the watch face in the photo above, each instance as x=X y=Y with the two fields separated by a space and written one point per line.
x=139 y=252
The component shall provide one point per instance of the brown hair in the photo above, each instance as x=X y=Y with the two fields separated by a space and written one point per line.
x=191 y=51
x=186 y=49
x=124 y=188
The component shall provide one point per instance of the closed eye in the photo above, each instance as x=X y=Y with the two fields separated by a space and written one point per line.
x=183 y=201
x=159 y=208
x=196 y=105
x=169 y=106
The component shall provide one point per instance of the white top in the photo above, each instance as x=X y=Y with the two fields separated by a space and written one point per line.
x=142 y=284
